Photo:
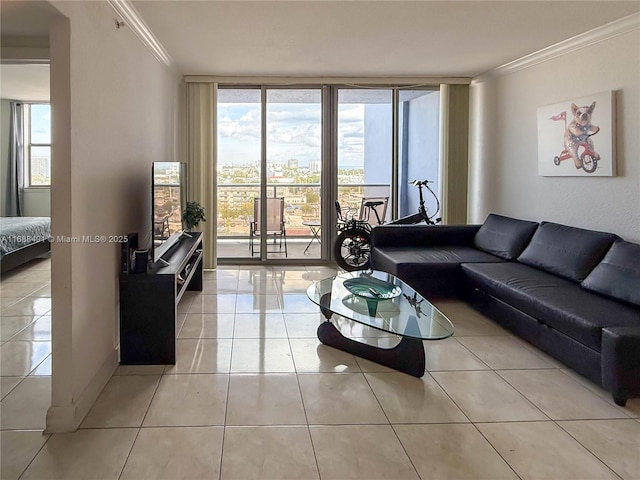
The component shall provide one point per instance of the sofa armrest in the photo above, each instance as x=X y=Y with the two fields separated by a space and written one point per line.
x=620 y=352
x=423 y=235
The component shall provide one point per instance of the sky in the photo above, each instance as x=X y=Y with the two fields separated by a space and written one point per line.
x=40 y=123
x=293 y=131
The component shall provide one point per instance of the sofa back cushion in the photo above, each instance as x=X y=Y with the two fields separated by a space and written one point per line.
x=618 y=274
x=503 y=236
x=566 y=251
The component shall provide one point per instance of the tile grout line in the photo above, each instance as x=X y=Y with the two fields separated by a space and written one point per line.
x=551 y=367
x=587 y=449
x=35 y=319
x=472 y=353
x=226 y=403
x=603 y=395
x=540 y=408
x=35 y=456
x=304 y=409
x=555 y=422
x=496 y=450
x=133 y=444
x=313 y=447
x=473 y=423
x=495 y=372
x=390 y=424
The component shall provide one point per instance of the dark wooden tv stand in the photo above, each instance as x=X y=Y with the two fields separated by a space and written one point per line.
x=149 y=304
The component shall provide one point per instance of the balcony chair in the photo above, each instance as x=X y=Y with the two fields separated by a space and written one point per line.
x=275 y=224
x=366 y=210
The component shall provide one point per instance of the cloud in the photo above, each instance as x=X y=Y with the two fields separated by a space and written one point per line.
x=293 y=131
x=295 y=114
x=301 y=134
x=350 y=113
x=239 y=121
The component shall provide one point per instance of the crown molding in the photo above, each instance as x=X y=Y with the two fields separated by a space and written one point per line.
x=314 y=80
x=134 y=21
x=599 y=34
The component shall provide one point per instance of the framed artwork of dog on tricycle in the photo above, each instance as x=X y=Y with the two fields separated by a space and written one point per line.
x=576 y=137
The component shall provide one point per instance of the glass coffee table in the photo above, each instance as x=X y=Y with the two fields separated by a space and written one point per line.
x=384 y=302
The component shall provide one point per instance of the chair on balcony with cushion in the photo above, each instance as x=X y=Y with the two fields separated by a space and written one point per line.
x=367 y=213
x=275 y=224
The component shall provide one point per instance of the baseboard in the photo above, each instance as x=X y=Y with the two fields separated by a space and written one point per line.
x=67 y=418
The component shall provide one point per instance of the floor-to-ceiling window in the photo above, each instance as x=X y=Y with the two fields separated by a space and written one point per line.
x=239 y=166
x=278 y=167
x=364 y=147
x=418 y=147
x=293 y=166
x=269 y=147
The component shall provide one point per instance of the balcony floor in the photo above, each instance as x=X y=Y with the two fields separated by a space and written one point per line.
x=239 y=248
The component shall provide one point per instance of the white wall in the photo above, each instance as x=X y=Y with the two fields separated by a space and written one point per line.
x=504 y=177
x=114 y=113
x=37 y=202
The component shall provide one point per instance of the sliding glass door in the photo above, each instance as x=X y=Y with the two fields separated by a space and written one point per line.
x=269 y=164
x=286 y=154
x=293 y=165
x=239 y=167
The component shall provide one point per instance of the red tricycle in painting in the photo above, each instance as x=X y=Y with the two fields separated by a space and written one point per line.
x=577 y=138
x=588 y=157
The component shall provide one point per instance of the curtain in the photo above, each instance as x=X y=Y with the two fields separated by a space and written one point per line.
x=15 y=177
x=202 y=160
x=454 y=152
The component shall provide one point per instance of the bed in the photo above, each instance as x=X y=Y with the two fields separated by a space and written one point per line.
x=23 y=239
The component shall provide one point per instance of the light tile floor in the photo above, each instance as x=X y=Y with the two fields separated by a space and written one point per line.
x=254 y=395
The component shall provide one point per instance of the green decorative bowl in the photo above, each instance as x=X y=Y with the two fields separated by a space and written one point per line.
x=372 y=288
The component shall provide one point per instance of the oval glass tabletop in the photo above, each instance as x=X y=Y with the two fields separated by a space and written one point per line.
x=364 y=300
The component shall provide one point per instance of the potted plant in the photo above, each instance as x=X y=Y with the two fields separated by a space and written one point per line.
x=193 y=215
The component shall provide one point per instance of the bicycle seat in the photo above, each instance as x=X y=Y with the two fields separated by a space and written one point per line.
x=372 y=204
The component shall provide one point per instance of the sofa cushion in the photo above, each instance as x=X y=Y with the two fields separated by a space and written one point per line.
x=566 y=251
x=503 y=236
x=434 y=272
x=554 y=301
x=409 y=262
x=618 y=274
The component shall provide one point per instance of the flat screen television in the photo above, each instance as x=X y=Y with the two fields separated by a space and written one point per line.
x=169 y=201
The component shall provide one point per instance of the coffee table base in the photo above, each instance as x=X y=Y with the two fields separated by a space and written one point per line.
x=407 y=356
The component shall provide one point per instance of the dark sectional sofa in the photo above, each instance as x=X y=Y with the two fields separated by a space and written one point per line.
x=573 y=293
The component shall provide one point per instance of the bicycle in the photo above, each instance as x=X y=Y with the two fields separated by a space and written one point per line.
x=352 y=249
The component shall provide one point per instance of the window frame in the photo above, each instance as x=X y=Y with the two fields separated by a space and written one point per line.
x=28 y=145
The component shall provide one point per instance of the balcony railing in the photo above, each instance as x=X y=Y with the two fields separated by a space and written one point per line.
x=303 y=203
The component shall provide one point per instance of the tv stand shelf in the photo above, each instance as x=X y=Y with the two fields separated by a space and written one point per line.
x=149 y=304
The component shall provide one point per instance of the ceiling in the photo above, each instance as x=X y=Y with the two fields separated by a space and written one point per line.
x=343 y=38
x=26 y=18
x=25 y=24
x=365 y=38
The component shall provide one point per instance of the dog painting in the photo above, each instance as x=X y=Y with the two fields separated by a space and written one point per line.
x=580 y=123
x=579 y=133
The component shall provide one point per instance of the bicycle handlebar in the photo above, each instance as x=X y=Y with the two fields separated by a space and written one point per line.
x=419 y=183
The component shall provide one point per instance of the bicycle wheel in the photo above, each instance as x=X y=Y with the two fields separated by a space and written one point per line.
x=352 y=249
